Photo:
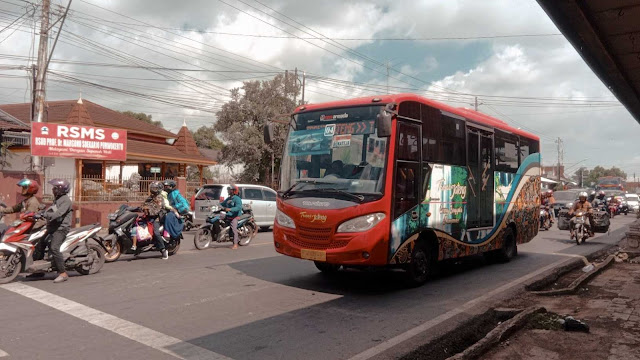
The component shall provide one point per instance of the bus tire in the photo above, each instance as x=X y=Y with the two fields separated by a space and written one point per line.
x=509 y=248
x=326 y=268
x=419 y=269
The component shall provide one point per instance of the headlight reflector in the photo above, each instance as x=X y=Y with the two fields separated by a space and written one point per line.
x=284 y=220
x=362 y=223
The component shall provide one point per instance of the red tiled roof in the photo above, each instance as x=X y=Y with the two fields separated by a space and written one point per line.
x=59 y=111
x=166 y=152
x=8 y=122
x=79 y=115
x=185 y=142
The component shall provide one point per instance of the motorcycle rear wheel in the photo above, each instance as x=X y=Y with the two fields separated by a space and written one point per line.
x=13 y=264
x=172 y=250
x=113 y=251
x=250 y=229
x=98 y=260
x=202 y=238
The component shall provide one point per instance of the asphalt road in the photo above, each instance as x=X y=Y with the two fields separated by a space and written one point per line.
x=250 y=303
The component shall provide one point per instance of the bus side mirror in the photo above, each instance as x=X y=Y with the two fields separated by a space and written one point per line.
x=268 y=133
x=383 y=120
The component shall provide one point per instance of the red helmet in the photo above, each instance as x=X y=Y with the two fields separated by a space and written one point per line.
x=233 y=189
x=29 y=187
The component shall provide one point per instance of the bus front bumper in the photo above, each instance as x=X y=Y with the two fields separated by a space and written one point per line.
x=368 y=248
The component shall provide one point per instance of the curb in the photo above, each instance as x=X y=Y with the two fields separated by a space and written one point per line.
x=579 y=281
x=497 y=335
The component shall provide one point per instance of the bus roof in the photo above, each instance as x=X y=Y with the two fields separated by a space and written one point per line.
x=475 y=116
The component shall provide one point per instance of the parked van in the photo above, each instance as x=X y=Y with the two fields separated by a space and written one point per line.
x=261 y=198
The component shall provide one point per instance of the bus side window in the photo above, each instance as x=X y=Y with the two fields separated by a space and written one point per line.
x=406 y=192
x=506 y=152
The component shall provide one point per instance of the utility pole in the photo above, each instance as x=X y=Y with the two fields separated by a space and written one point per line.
x=295 y=86
x=40 y=78
x=581 y=185
x=34 y=73
x=476 y=104
x=559 y=142
x=303 y=80
x=388 y=66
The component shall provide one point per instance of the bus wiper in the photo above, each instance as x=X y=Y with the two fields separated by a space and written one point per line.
x=360 y=198
x=289 y=191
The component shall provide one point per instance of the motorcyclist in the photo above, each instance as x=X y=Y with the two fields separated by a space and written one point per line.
x=549 y=201
x=29 y=204
x=600 y=199
x=233 y=207
x=153 y=208
x=582 y=205
x=173 y=224
x=58 y=217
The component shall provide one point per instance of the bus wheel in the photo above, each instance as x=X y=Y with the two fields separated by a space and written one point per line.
x=509 y=248
x=419 y=269
x=327 y=268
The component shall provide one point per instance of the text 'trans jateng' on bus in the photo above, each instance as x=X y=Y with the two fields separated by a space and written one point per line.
x=404 y=181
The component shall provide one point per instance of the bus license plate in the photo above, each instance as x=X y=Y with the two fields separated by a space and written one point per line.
x=316 y=255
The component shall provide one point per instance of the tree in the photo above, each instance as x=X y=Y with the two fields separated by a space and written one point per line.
x=241 y=120
x=144 y=117
x=205 y=137
x=5 y=154
x=600 y=171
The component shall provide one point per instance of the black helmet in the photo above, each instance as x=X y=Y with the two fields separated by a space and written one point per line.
x=60 y=187
x=169 y=185
x=155 y=187
x=601 y=194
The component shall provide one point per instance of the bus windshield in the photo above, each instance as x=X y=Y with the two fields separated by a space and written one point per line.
x=335 y=153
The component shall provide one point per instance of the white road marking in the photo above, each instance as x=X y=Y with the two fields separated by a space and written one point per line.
x=3 y=354
x=154 y=339
x=388 y=344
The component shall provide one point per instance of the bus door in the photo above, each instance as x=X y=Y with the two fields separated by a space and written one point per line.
x=480 y=180
x=407 y=182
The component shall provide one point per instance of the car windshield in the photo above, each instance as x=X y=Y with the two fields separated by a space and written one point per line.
x=565 y=195
x=336 y=150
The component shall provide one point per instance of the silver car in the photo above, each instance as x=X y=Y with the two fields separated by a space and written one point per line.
x=261 y=198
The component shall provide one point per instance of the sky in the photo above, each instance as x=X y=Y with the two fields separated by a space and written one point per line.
x=178 y=60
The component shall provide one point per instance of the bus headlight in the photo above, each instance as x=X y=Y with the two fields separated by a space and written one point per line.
x=284 y=220
x=362 y=223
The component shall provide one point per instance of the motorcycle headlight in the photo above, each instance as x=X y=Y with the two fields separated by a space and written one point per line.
x=579 y=214
x=569 y=204
x=362 y=223
x=284 y=220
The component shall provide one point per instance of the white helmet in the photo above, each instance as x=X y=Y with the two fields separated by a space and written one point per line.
x=582 y=196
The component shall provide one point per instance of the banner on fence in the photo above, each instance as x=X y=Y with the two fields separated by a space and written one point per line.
x=78 y=141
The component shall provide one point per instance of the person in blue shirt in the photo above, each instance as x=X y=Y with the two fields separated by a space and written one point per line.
x=233 y=207
x=172 y=222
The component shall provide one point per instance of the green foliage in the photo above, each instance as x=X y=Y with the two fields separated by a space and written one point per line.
x=600 y=171
x=241 y=121
x=194 y=175
x=205 y=137
x=144 y=117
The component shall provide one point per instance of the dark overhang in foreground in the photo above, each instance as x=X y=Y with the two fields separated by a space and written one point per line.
x=606 y=33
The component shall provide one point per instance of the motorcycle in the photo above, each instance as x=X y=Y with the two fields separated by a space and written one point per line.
x=545 y=218
x=81 y=250
x=188 y=221
x=217 y=229
x=623 y=208
x=580 y=228
x=601 y=218
x=120 y=238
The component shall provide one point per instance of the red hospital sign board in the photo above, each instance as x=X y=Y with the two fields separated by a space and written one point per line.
x=78 y=141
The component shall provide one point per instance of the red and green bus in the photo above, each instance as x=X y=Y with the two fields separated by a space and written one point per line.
x=404 y=181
